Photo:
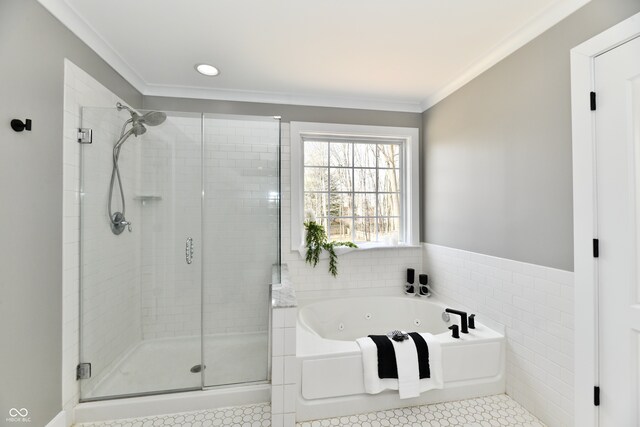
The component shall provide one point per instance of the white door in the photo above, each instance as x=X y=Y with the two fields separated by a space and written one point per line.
x=617 y=118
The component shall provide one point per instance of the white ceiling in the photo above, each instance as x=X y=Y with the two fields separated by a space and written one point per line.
x=402 y=55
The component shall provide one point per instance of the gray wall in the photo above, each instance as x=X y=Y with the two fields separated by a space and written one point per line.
x=497 y=155
x=32 y=47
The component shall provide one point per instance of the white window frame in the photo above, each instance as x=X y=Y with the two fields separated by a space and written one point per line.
x=410 y=191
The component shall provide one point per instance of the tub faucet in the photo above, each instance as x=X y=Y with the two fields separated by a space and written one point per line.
x=464 y=326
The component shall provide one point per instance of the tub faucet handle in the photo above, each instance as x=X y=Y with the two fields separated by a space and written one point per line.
x=455 y=333
x=472 y=321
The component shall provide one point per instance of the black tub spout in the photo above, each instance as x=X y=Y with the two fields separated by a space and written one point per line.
x=464 y=326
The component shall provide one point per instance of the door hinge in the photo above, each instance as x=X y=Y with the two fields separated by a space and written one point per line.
x=83 y=371
x=596 y=248
x=592 y=101
x=596 y=396
x=85 y=135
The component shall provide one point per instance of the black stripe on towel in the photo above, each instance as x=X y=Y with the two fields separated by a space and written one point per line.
x=387 y=366
x=423 y=354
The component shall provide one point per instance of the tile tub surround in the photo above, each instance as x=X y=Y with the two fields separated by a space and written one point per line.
x=535 y=304
x=499 y=410
x=284 y=365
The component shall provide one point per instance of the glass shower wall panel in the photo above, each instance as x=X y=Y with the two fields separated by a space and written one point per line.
x=241 y=238
x=140 y=299
x=110 y=265
x=171 y=212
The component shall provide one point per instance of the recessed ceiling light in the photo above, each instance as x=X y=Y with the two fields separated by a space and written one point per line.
x=207 y=70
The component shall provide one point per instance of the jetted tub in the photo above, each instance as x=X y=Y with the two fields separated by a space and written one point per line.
x=330 y=363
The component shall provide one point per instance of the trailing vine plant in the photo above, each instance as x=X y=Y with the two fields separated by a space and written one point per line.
x=316 y=241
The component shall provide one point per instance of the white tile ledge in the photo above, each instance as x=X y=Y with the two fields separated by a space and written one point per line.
x=282 y=293
x=302 y=250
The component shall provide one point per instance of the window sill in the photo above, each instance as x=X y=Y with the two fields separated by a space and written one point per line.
x=302 y=250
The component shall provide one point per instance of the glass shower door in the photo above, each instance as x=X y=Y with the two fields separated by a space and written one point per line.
x=241 y=232
x=140 y=299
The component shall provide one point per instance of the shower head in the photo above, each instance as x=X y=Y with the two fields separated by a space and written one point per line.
x=152 y=118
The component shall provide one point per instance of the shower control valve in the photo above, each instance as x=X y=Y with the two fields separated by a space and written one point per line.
x=119 y=223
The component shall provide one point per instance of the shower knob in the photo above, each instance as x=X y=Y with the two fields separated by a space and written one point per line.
x=119 y=223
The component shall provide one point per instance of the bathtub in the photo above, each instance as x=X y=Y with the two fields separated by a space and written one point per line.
x=329 y=363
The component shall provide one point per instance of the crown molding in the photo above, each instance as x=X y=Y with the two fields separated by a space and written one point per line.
x=283 y=98
x=61 y=10
x=536 y=26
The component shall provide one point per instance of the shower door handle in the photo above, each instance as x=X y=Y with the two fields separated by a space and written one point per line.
x=188 y=252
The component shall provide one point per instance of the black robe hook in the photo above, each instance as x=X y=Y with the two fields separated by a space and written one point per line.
x=19 y=126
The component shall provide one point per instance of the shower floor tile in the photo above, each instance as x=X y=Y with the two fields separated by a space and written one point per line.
x=165 y=363
x=491 y=411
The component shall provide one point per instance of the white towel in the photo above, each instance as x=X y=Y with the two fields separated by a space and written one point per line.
x=374 y=385
x=408 y=371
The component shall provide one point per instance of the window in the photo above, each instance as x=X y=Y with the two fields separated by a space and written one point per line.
x=359 y=181
x=354 y=187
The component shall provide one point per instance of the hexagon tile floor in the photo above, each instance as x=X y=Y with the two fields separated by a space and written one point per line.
x=490 y=411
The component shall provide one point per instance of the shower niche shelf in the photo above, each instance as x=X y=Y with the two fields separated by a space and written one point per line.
x=148 y=198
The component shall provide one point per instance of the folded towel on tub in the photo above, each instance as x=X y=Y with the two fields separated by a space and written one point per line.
x=418 y=364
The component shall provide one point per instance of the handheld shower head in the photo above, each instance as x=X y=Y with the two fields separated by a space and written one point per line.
x=138 y=122
x=138 y=128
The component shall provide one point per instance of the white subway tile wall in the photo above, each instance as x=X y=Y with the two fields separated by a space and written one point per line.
x=374 y=271
x=240 y=223
x=284 y=371
x=116 y=280
x=240 y=226
x=535 y=304
x=170 y=200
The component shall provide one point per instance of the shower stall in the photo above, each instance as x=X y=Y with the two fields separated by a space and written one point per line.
x=179 y=241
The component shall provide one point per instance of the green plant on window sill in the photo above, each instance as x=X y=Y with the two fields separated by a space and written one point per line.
x=316 y=241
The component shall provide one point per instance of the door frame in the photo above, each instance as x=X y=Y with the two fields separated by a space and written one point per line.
x=585 y=215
